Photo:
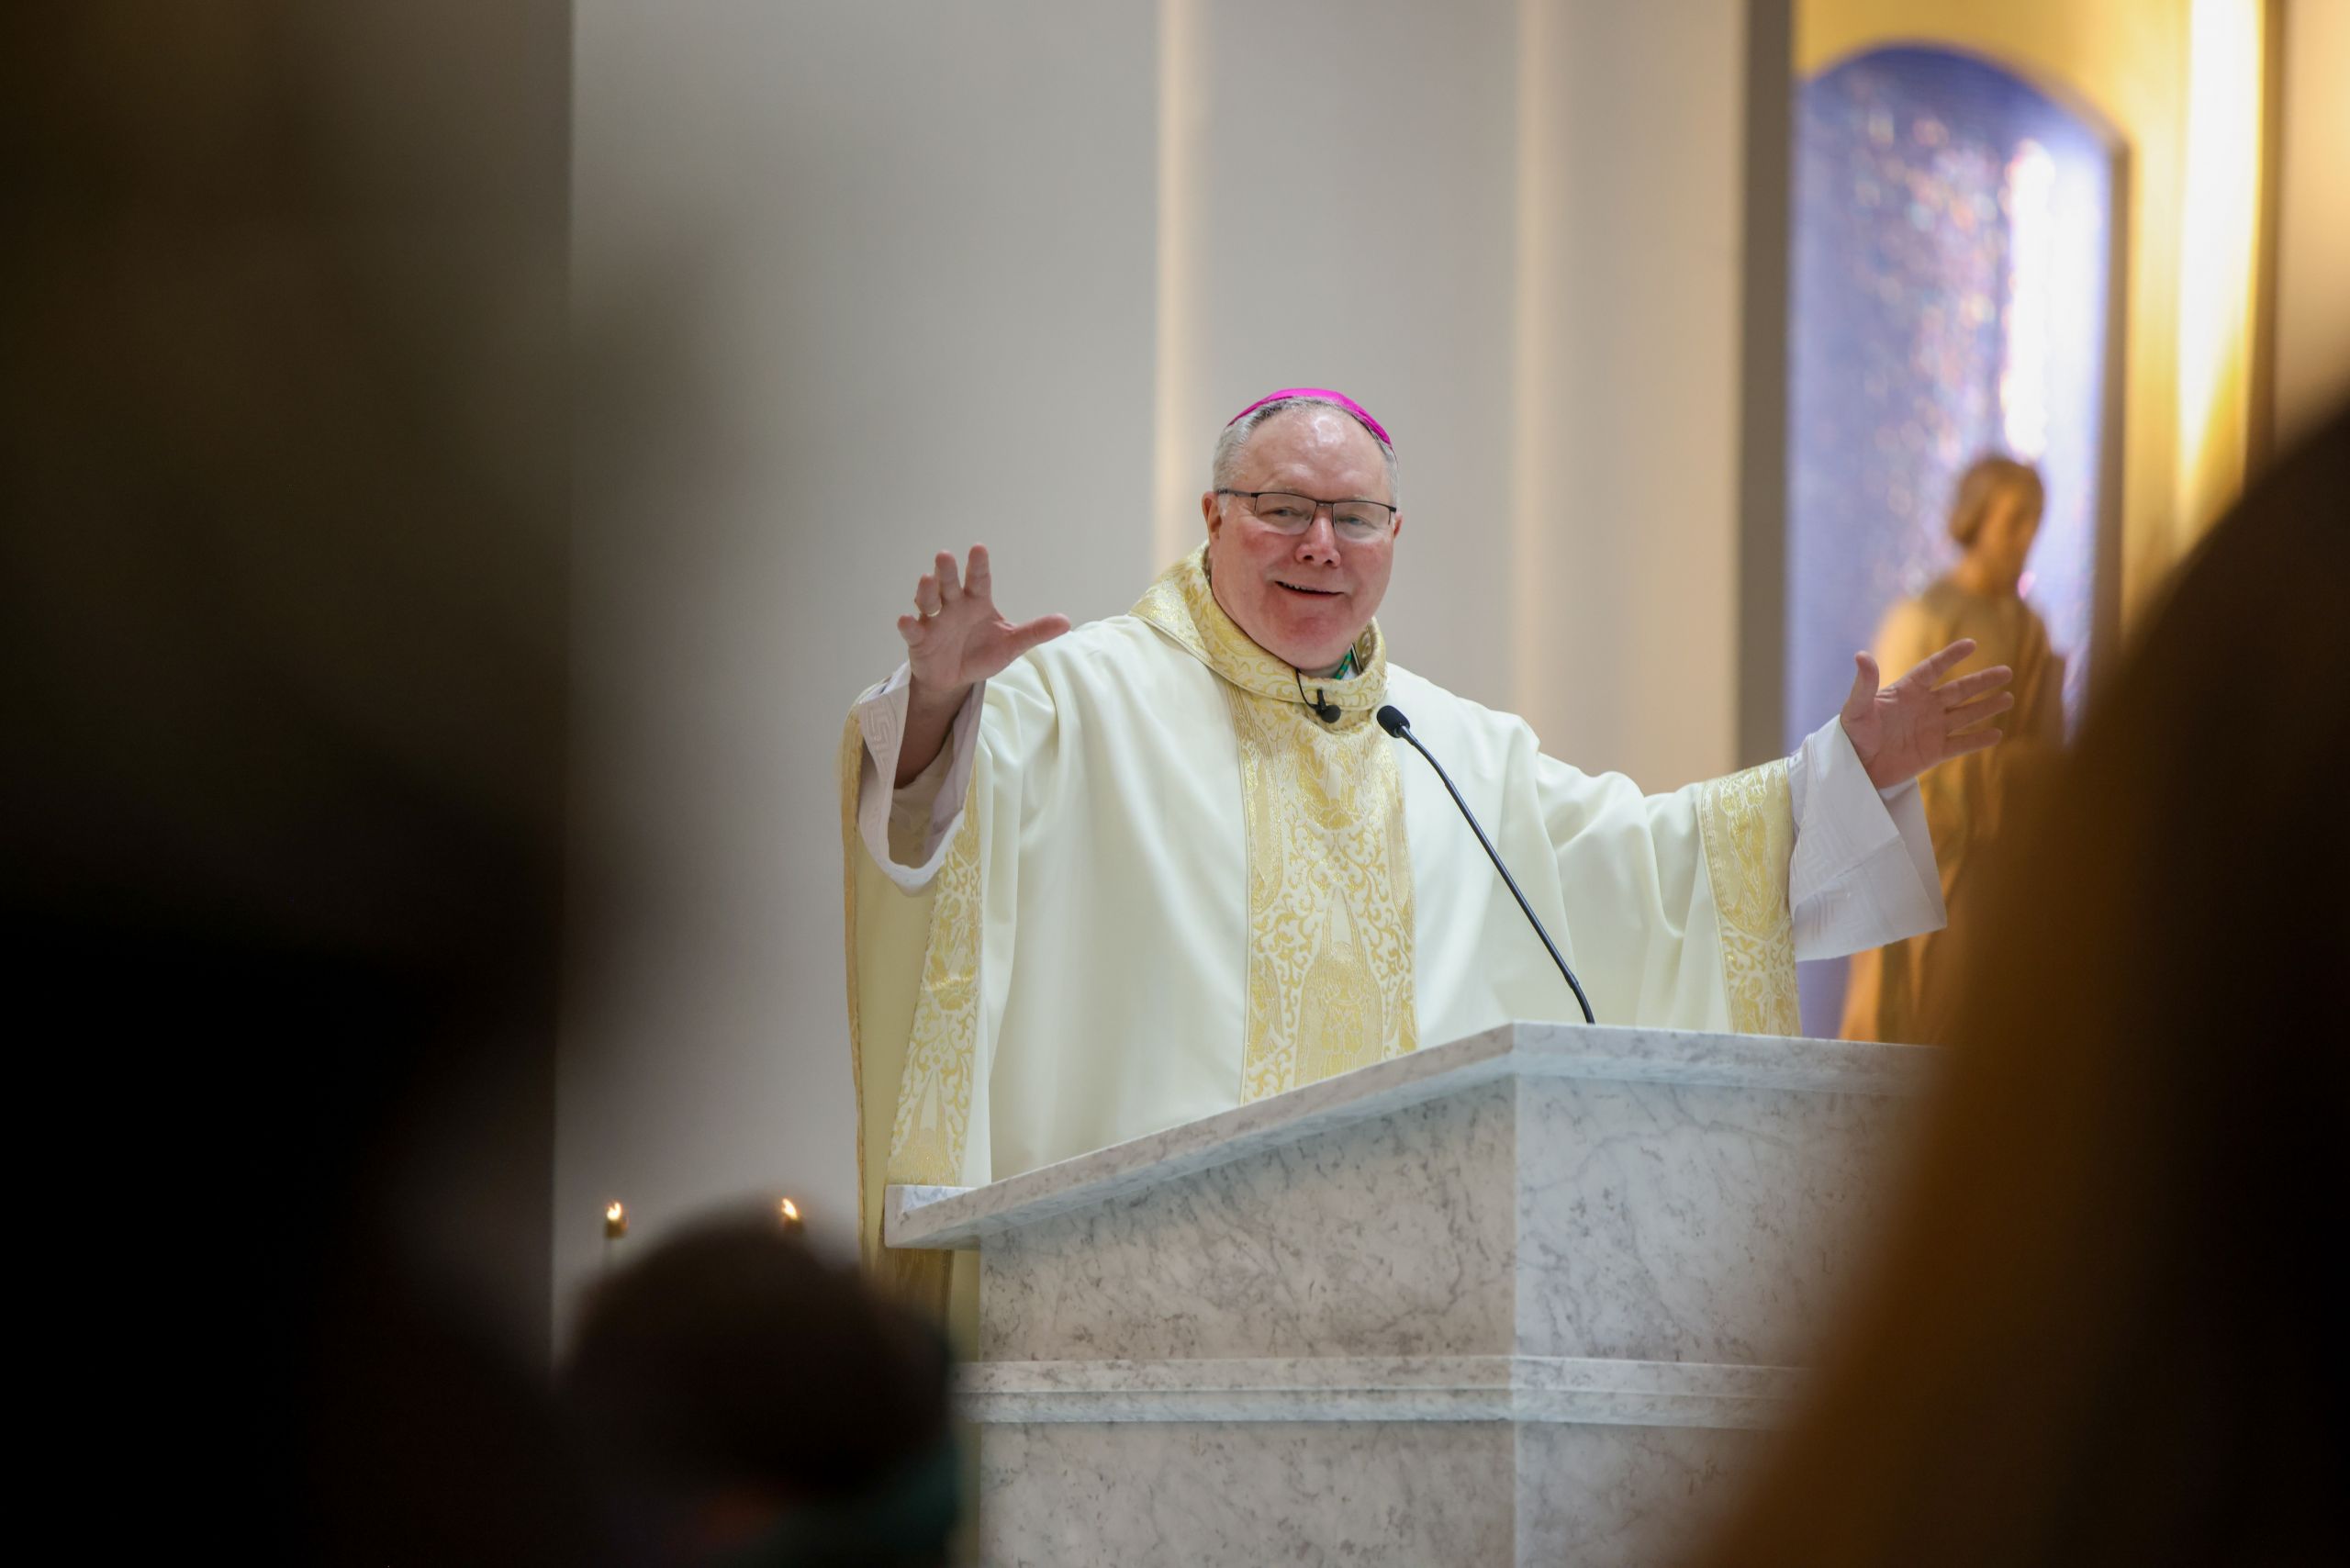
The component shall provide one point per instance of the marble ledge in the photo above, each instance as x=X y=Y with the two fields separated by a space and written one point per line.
x=943 y=1217
x=1545 y=1389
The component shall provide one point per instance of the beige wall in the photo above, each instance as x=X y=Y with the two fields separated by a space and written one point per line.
x=2192 y=216
x=2312 y=305
x=1626 y=585
x=903 y=277
x=878 y=281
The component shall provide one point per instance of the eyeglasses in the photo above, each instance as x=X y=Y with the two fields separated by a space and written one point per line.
x=1285 y=511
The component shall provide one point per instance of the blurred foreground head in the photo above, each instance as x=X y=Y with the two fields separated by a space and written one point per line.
x=747 y=1401
x=2109 y=1327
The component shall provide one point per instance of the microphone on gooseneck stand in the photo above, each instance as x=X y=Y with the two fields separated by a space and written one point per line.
x=1392 y=720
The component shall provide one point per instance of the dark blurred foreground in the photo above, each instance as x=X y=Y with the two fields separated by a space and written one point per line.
x=2110 y=1327
x=282 y=443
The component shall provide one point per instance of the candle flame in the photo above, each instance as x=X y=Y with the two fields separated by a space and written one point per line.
x=615 y=1220
x=790 y=1212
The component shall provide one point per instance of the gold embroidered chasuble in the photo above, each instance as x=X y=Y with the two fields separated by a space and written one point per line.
x=1329 y=958
x=1172 y=888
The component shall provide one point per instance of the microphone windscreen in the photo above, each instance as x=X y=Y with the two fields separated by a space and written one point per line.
x=1392 y=720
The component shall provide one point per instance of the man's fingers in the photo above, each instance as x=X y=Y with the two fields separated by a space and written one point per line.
x=913 y=629
x=1864 y=679
x=926 y=596
x=1930 y=669
x=1955 y=654
x=1044 y=629
x=979 y=577
x=1966 y=715
x=950 y=586
x=1967 y=687
x=1973 y=740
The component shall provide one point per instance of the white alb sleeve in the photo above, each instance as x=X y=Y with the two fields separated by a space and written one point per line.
x=906 y=831
x=1864 y=872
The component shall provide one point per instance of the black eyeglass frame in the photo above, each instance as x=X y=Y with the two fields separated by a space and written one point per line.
x=1251 y=498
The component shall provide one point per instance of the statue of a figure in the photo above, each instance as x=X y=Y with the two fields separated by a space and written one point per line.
x=1901 y=992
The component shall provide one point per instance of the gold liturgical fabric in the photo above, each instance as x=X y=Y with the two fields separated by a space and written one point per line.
x=1171 y=889
x=1329 y=955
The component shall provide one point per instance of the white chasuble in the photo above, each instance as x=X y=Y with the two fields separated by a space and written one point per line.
x=1168 y=888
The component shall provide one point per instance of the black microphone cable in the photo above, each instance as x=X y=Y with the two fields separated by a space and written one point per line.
x=1392 y=720
x=1323 y=709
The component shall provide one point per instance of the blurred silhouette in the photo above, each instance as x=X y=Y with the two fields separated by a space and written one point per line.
x=745 y=1401
x=282 y=449
x=1903 y=991
x=2108 y=1328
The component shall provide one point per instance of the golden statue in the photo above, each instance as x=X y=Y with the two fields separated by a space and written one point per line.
x=1902 y=993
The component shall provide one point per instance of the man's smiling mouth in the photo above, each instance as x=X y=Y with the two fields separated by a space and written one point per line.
x=1319 y=593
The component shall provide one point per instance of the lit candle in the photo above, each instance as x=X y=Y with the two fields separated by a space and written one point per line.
x=615 y=1233
x=790 y=1212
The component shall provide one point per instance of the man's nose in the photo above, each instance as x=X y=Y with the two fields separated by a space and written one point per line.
x=1320 y=540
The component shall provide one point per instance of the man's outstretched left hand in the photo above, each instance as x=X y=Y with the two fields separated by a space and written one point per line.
x=1900 y=731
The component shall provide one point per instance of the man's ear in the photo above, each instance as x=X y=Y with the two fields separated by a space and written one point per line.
x=1213 y=512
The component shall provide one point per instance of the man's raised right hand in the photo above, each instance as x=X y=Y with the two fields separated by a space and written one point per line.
x=956 y=641
x=960 y=639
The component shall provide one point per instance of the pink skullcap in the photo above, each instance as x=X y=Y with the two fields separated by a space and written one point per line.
x=1340 y=399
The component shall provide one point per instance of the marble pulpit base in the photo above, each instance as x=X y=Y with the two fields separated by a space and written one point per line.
x=1370 y=1459
x=1527 y=1297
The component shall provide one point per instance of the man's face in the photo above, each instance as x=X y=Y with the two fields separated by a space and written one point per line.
x=1304 y=597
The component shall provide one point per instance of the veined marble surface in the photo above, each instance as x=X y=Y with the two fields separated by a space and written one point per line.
x=1692 y=1222
x=1380 y=1388
x=1198 y=1494
x=1624 y=1497
x=960 y=1217
x=1543 y=1217
x=1352 y=1495
x=1395 y=1236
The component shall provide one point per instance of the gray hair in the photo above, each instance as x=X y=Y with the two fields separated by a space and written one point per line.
x=1226 y=466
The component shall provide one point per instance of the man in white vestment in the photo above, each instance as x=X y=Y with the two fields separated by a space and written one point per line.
x=1107 y=880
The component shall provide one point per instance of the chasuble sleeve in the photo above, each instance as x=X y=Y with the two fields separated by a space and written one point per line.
x=927 y=949
x=1690 y=909
x=1678 y=903
x=907 y=829
x=1863 y=872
